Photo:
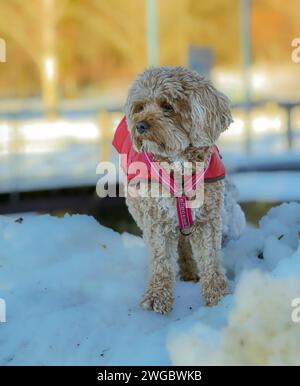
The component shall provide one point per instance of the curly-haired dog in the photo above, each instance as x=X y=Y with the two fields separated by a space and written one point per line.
x=177 y=115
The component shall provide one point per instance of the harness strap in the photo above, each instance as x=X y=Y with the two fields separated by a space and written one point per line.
x=184 y=213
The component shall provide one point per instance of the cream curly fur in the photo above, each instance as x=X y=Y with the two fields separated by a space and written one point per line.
x=187 y=132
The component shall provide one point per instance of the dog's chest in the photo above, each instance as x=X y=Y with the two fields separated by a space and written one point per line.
x=168 y=209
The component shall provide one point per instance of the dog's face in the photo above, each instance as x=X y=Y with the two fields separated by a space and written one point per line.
x=171 y=108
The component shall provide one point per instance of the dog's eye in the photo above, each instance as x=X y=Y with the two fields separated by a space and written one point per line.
x=139 y=108
x=167 y=108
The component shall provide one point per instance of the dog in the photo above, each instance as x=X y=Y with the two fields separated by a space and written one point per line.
x=177 y=115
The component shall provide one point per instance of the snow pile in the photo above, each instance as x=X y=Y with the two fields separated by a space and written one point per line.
x=259 y=329
x=72 y=290
x=72 y=287
x=276 y=238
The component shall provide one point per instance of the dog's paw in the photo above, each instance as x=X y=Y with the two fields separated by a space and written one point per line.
x=160 y=302
x=189 y=276
x=214 y=289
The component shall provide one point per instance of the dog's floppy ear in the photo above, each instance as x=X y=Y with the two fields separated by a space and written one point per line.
x=210 y=114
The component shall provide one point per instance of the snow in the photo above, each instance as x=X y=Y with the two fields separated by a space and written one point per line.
x=72 y=286
x=71 y=165
x=258 y=328
x=267 y=186
x=265 y=175
x=74 y=165
x=235 y=157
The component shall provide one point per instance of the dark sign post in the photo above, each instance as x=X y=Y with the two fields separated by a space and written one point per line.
x=201 y=60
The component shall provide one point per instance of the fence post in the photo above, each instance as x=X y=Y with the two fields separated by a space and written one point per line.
x=2 y=51
x=246 y=63
x=152 y=42
x=105 y=135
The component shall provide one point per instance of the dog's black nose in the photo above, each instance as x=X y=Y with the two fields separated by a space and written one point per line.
x=142 y=127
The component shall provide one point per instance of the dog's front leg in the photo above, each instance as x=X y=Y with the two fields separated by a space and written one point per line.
x=206 y=246
x=159 y=293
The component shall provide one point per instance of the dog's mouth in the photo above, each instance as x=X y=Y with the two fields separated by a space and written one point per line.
x=153 y=146
x=149 y=143
x=158 y=147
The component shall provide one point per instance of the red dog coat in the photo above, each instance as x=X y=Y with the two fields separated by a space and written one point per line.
x=214 y=172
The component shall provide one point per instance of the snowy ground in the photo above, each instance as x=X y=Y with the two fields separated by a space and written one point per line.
x=71 y=288
x=268 y=186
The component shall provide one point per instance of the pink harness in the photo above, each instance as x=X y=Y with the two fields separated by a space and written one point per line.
x=184 y=213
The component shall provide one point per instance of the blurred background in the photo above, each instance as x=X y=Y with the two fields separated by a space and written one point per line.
x=66 y=65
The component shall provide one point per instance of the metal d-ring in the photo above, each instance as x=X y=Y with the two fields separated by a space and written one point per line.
x=189 y=230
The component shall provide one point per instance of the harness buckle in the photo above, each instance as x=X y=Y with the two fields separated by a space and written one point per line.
x=186 y=231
